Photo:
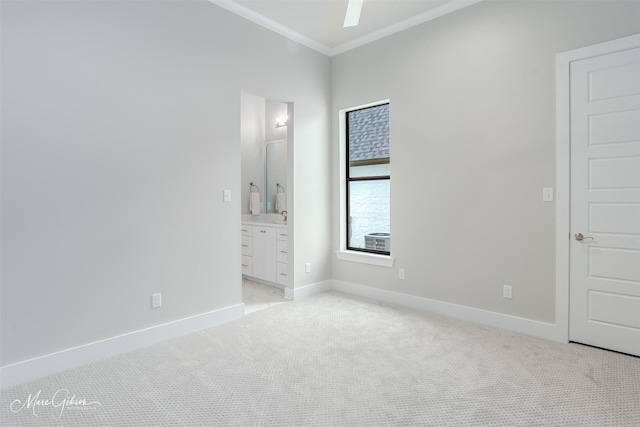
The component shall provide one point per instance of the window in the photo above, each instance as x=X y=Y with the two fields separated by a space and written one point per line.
x=368 y=180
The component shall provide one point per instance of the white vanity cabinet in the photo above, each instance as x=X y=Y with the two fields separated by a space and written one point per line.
x=264 y=253
x=247 y=250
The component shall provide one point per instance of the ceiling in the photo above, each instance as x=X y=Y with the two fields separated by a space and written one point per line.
x=318 y=23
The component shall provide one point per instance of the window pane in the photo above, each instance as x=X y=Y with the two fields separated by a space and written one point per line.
x=368 y=137
x=369 y=224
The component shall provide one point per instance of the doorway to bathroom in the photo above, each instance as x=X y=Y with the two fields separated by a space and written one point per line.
x=265 y=149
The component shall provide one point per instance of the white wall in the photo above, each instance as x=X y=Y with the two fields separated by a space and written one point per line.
x=120 y=129
x=472 y=120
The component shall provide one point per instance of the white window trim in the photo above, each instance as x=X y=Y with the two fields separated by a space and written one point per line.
x=365 y=258
x=343 y=254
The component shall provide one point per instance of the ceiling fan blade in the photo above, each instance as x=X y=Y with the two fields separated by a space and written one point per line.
x=352 y=17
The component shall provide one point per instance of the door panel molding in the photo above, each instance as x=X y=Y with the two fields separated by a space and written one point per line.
x=563 y=160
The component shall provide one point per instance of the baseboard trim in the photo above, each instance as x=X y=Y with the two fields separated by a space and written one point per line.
x=37 y=367
x=521 y=325
x=302 y=292
x=503 y=321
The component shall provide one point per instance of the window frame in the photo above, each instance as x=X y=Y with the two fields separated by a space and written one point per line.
x=349 y=180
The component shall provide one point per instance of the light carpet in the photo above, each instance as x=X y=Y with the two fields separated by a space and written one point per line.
x=340 y=360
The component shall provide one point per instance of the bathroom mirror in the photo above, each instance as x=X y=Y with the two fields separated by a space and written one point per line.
x=263 y=138
x=275 y=175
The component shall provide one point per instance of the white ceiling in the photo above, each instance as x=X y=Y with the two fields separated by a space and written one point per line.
x=318 y=23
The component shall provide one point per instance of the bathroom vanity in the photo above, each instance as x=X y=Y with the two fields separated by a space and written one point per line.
x=264 y=251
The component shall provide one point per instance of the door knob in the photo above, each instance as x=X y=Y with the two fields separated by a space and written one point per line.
x=580 y=236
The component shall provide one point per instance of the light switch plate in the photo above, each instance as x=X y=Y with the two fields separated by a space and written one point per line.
x=226 y=195
x=547 y=194
x=507 y=291
x=156 y=300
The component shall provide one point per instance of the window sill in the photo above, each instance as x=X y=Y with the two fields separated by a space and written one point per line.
x=365 y=258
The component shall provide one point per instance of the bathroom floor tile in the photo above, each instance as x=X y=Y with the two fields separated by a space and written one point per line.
x=257 y=296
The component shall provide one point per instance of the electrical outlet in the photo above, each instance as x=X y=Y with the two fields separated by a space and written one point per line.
x=507 y=291
x=307 y=267
x=226 y=196
x=401 y=274
x=156 y=300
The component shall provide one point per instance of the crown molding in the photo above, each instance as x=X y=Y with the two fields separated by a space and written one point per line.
x=429 y=15
x=270 y=24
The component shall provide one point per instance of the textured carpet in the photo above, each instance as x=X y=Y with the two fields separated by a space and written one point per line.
x=335 y=359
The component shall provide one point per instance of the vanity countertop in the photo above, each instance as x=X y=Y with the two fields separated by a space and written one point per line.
x=266 y=223
x=270 y=220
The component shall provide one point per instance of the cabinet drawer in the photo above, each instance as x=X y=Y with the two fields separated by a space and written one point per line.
x=282 y=278
x=247 y=230
x=247 y=265
x=281 y=255
x=247 y=245
x=281 y=233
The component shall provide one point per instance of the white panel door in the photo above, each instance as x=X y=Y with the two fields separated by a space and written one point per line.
x=605 y=202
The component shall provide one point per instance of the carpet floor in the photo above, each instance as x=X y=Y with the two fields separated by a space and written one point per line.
x=339 y=360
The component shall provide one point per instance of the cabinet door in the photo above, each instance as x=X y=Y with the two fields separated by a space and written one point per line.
x=264 y=253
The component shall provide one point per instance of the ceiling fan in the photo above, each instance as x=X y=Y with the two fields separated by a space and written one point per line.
x=352 y=16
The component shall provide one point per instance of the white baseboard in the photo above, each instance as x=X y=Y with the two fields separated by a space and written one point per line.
x=521 y=325
x=302 y=292
x=72 y=357
x=504 y=321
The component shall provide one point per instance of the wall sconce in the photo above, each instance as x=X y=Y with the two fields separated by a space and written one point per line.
x=281 y=123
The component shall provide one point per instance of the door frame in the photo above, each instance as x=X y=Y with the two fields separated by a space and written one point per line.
x=563 y=164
